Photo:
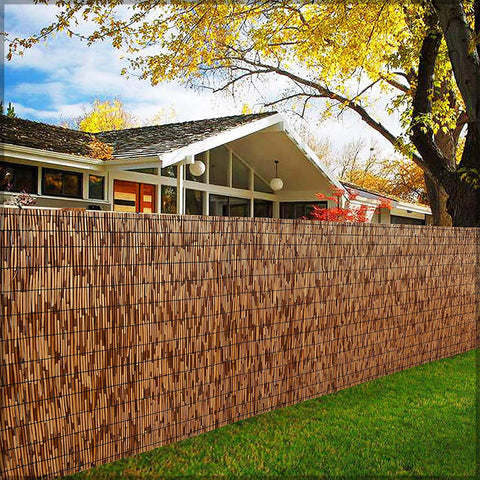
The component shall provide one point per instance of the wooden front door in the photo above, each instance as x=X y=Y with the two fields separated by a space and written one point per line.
x=147 y=198
x=133 y=197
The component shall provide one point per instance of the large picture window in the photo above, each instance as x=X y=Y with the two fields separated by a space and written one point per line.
x=170 y=172
x=61 y=183
x=240 y=174
x=223 y=206
x=169 y=199
x=15 y=177
x=219 y=170
x=295 y=210
x=261 y=186
x=194 y=202
x=262 y=208
x=96 y=187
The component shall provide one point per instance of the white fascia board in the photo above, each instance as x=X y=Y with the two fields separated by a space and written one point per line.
x=52 y=158
x=179 y=155
x=413 y=208
x=313 y=158
x=152 y=161
x=369 y=202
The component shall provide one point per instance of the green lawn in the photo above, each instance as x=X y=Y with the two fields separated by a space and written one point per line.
x=417 y=422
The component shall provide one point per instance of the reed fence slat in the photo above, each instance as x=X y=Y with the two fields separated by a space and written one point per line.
x=124 y=332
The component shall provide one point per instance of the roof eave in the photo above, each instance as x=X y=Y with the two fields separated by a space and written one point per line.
x=51 y=157
x=412 y=207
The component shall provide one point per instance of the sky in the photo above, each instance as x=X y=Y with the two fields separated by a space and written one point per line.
x=58 y=81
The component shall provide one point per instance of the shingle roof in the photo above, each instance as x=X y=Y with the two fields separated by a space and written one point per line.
x=157 y=139
x=132 y=142
x=18 y=131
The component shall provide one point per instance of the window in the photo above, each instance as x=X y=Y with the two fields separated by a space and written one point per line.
x=298 y=209
x=193 y=202
x=61 y=183
x=262 y=208
x=17 y=178
x=219 y=158
x=240 y=174
x=96 y=187
x=169 y=199
x=170 y=172
x=398 y=220
x=260 y=186
x=222 y=206
x=201 y=178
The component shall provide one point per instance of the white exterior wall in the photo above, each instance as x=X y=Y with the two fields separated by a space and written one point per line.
x=54 y=201
x=114 y=172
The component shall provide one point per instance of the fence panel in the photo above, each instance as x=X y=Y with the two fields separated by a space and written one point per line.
x=124 y=332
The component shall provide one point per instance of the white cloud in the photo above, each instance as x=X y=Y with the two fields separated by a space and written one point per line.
x=58 y=115
x=70 y=71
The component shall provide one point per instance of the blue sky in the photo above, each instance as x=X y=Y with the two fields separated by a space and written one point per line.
x=58 y=81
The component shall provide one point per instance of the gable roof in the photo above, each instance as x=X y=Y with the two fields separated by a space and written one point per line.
x=128 y=143
x=158 y=139
x=17 y=131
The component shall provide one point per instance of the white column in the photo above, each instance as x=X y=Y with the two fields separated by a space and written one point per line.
x=206 y=203
x=251 y=184
x=180 y=189
x=207 y=166
x=206 y=200
x=230 y=169
x=85 y=177
x=276 y=210
x=39 y=181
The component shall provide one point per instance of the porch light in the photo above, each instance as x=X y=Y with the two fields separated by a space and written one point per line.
x=197 y=168
x=276 y=183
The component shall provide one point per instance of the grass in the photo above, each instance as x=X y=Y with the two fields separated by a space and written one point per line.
x=416 y=422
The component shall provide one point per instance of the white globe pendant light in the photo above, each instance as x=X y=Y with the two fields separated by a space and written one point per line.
x=197 y=168
x=276 y=183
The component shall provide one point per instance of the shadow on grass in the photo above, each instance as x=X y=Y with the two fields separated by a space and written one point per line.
x=418 y=422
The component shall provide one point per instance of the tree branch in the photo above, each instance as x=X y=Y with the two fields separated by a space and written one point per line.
x=422 y=133
x=394 y=83
x=462 y=52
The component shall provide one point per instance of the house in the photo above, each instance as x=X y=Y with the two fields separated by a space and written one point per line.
x=221 y=166
x=400 y=211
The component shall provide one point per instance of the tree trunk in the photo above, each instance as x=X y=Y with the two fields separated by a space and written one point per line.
x=438 y=197
x=464 y=198
x=463 y=204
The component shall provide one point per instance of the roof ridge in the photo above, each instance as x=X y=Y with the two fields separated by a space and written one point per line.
x=127 y=143
x=261 y=114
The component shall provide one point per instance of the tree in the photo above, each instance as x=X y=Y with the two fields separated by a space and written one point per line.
x=163 y=115
x=347 y=54
x=10 y=110
x=104 y=116
x=367 y=166
x=448 y=21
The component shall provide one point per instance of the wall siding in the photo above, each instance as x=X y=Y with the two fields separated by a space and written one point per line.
x=125 y=332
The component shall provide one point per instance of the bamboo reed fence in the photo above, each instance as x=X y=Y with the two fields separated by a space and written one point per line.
x=124 y=332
